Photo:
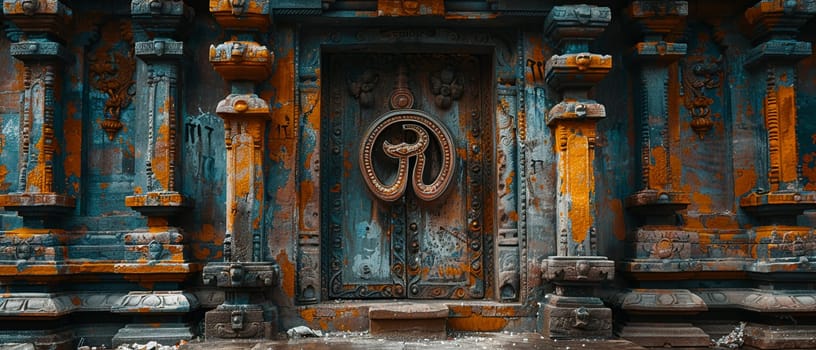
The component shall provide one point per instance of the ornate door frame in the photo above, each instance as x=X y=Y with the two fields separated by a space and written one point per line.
x=505 y=240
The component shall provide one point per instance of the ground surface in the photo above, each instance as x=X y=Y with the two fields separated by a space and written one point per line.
x=364 y=341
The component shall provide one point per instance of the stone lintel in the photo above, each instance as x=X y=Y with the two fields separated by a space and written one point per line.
x=576 y=70
x=39 y=50
x=654 y=202
x=576 y=110
x=578 y=269
x=159 y=49
x=248 y=15
x=778 y=203
x=156 y=302
x=38 y=204
x=241 y=60
x=576 y=23
x=659 y=51
x=245 y=275
x=160 y=204
x=659 y=301
x=778 y=51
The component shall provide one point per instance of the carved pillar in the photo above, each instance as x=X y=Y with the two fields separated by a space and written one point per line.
x=157 y=184
x=658 y=200
x=572 y=310
x=39 y=198
x=778 y=197
x=659 y=21
x=246 y=272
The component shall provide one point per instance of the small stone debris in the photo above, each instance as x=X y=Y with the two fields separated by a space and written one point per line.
x=149 y=346
x=303 y=332
x=733 y=340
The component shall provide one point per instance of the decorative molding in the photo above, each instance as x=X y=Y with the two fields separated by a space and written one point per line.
x=173 y=302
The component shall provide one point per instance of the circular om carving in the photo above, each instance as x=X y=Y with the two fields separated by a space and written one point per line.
x=425 y=128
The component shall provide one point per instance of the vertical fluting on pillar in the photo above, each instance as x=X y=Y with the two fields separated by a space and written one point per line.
x=572 y=310
x=244 y=274
x=779 y=195
x=660 y=22
x=39 y=199
x=659 y=198
x=156 y=193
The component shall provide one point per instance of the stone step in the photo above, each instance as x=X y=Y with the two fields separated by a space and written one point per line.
x=423 y=320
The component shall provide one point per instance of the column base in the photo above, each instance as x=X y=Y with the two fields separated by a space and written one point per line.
x=670 y=335
x=162 y=333
x=240 y=322
x=575 y=317
x=763 y=336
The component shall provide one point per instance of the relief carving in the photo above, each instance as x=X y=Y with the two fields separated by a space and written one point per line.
x=113 y=75
x=447 y=87
x=423 y=126
x=699 y=75
x=363 y=88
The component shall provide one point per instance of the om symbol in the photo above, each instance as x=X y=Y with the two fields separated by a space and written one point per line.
x=425 y=128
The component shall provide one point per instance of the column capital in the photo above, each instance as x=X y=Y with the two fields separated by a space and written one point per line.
x=572 y=27
x=242 y=60
x=161 y=17
x=657 y=18
x=39 y=17
x=778 y=19
x=576 y=70
x=248 y=15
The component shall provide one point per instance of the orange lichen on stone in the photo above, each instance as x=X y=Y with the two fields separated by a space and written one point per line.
x=287 y=270
x=478 y=323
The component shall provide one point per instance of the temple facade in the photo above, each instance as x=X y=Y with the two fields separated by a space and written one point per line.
x=230 y=169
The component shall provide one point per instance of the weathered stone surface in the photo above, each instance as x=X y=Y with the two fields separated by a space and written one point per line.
x=409 y=320
x=670 y=335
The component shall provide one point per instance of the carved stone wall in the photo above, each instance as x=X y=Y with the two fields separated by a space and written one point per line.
x=161 y=160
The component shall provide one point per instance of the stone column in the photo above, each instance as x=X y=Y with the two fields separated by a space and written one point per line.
x=245 y=274
x=39 y=198
x=573 y=311
x=779 y=196
x=783 y=250
x=156 y=194
x=658 y=201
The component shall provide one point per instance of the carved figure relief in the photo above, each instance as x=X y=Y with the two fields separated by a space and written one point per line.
x=699 y=75
x=112 y=73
